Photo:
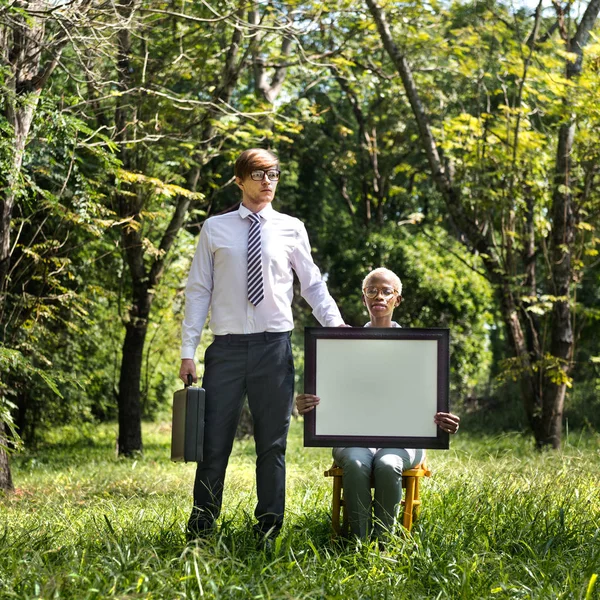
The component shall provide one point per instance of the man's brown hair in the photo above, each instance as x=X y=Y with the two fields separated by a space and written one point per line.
x=254 y=158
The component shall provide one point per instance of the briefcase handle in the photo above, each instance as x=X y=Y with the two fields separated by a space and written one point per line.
x=190 y=380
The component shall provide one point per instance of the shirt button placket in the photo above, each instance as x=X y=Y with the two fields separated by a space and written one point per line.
x=250 y=318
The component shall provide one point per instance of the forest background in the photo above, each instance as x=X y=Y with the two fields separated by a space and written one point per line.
x=455 y=143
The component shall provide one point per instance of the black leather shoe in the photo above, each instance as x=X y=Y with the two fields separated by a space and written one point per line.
x=266 y=544
x=198 y=528
x=265 y=540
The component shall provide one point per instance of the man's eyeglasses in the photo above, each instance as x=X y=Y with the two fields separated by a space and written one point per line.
x=258 y=174
x=373 y=292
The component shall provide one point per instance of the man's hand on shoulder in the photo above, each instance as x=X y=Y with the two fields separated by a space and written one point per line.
x=188 y=367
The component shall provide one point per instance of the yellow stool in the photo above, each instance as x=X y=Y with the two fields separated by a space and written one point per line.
x=411 y=502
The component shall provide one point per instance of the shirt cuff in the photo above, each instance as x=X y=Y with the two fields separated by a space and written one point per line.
x=188 y=352
x=335 y=322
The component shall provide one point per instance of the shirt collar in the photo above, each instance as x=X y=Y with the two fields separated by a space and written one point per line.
x=266 y=213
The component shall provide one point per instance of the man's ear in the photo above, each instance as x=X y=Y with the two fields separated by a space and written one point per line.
x=398 y=300
x=364 y=300
x=239 y=183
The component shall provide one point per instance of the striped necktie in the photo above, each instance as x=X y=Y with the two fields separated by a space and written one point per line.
x=255 y=276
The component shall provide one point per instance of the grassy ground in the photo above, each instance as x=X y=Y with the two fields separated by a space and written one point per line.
x=499 y=521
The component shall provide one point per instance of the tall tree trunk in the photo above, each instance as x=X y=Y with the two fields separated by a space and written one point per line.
x=531 y=386
x=129 y=401
x=6 y=483
x=561 y=344
x=20 y=117
x=21 y=50
x=128 y=397
x=144 y=282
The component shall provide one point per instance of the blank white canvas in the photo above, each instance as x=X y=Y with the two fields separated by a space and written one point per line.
x=376 y=387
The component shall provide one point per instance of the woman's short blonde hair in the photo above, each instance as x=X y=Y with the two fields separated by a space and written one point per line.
x=387 y=273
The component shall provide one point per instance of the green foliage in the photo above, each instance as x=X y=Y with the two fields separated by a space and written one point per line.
x=582 y=405
x=57 y=220
x=498 y=521
x=443 y=286
x=446 y=288
x=13 y=364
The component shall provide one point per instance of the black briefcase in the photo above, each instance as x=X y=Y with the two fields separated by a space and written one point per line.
x=187 y=438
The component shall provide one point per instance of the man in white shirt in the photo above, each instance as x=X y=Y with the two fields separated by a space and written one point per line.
x=242 y=271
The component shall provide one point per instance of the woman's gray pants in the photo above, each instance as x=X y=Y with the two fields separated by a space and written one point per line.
x=386 y=466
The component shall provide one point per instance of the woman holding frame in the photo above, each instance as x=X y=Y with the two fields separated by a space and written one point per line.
x=382 y=293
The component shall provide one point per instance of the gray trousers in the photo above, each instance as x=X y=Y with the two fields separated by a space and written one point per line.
x=261 y=366
x=386 y=466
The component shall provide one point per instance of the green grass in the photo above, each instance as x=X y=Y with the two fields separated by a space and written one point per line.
x=499 y=521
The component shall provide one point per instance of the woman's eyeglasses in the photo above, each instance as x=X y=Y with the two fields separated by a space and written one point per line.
x=373 y=292
x=258 y=174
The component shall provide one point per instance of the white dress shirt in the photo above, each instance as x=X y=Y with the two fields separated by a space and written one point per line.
x=218 y=278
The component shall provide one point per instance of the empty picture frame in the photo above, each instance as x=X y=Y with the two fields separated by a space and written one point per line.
x=379 y=387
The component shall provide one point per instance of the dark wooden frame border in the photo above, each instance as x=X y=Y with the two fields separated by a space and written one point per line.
x=313 y=334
